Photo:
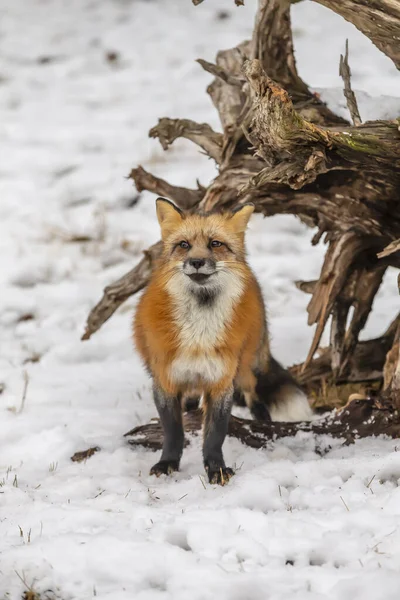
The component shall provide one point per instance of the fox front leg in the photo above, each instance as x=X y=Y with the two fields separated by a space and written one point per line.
x=217 y=411
x=170 y=411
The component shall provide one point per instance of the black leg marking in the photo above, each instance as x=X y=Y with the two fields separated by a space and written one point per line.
x=216 y=420
x=169 y=409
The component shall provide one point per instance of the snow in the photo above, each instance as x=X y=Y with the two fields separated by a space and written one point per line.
x=302 y=519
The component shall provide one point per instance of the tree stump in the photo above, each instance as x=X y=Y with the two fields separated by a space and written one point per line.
x=282 y=149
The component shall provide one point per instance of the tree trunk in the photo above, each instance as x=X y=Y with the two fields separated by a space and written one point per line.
x=284 y=150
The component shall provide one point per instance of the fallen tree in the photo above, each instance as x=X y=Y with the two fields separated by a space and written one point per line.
x=350 y=423
x=284 y=150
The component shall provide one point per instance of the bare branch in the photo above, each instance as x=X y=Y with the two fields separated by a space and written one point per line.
x=307 y=287
x=220 y=72
x=116 y=293
x=390 y=249
x=237 y=2
x=168 y=130
x=183 y=197
x=345 y=74
x=379 y=21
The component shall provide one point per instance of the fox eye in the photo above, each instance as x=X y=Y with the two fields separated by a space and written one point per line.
x=184 y=245
x=216 y=244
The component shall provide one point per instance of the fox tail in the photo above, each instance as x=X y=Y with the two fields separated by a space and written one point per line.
x=285 y=399
x=279 y=396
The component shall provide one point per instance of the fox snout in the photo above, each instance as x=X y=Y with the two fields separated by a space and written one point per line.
x=199 y=268
x=197 y=263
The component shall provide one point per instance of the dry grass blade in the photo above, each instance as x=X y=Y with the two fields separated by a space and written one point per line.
x=347 y=508
x=24 y=392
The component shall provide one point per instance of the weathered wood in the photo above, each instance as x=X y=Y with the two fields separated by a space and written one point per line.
x=394 y=390
x=390 y=249
x=366 y=287
x=360 y=418
x=338 y=260
x=392 y=365
x=345 y=74
x=340 y=312
x=365 y=365
x=379 y=20
x=168 y=130
x=358 y=290
x=220 y=72
x=183 y=197
x=237 y=2
x=116 y=293
x=307 y=287
x=272 y=46
x=303 y=149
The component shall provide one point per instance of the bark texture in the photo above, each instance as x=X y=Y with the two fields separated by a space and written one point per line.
x=349 y=424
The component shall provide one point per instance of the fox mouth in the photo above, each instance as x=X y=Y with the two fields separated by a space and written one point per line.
x=200 y=277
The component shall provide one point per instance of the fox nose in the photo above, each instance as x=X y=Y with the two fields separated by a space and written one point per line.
x=197 y=263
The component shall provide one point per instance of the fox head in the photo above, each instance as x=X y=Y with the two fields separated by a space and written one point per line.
x=203 y=253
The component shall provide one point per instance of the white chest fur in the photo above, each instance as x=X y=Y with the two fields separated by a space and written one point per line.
x=202 y=327
x=194 y=369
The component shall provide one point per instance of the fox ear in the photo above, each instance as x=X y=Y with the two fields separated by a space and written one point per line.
x=240 y=217
x=169 y=216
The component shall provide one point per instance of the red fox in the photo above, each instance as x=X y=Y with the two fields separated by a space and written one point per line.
x=201 y=330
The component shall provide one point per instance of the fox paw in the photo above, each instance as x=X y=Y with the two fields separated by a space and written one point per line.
x=164 y=467
x=220 y=476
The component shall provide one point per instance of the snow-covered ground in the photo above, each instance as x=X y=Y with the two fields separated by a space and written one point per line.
x=292 y=523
